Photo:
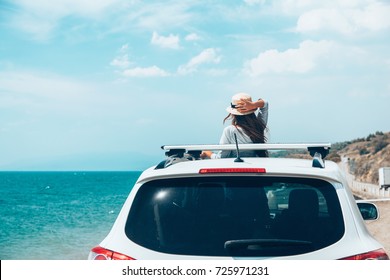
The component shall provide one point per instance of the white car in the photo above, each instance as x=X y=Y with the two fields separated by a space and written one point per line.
x=241 y=208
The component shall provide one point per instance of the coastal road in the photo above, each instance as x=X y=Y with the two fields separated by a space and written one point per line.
x=380 y=228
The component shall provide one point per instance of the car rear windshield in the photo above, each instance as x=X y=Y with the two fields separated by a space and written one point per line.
x=235 y=216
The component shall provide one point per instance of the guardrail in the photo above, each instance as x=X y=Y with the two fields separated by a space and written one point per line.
x=365 y=190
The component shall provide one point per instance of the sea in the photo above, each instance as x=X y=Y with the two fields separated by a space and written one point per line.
x=59 y=215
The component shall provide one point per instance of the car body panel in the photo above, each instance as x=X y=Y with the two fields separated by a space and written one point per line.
x=356 y=238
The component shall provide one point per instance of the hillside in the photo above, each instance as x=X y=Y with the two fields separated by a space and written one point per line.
x=365 y=155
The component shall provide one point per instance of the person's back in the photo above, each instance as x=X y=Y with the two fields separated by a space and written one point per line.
x=228 y=136
x=246 y=126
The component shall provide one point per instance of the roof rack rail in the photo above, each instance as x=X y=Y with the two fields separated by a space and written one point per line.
x=192 y=152
x=309 y=146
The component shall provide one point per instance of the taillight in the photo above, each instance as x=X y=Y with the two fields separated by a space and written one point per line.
x=373 y=255
x=99 y=253
x=231 y=170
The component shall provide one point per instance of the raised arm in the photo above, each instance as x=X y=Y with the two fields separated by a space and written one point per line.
x=247 y=106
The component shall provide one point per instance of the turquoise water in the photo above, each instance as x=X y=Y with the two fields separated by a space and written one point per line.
x=58 y=215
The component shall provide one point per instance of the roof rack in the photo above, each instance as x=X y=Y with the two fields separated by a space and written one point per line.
x=258 y=146
x=177 y=153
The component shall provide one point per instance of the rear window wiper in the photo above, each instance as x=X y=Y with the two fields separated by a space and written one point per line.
x=267 y=247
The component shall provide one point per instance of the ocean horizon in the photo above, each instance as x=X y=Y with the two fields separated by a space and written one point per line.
x=59 y=215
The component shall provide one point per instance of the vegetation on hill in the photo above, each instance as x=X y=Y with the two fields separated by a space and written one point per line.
x=365 y=155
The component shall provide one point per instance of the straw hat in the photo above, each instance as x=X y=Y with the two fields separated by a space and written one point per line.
x=235 y=100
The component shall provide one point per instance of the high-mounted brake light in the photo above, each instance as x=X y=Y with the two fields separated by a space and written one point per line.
x=372 y=255
x=99 y=253
x=231 y=170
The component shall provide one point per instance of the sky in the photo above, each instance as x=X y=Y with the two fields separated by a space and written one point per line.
x=103 y=84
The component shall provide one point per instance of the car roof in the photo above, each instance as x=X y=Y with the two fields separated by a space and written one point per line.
x=273 y=166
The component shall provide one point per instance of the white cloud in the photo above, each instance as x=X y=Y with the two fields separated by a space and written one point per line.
x=61 y=8
x=155 y=16
x=124 y=48
x=192 y=37
x=206 y=56
x=375 y=17
x=324 y=19
x=300 y=60
x=254 y=2
x=170 y=42
x=297 y=7
x=346 y=19
x=140 y=72
x=121 y=61
x=40 y=17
